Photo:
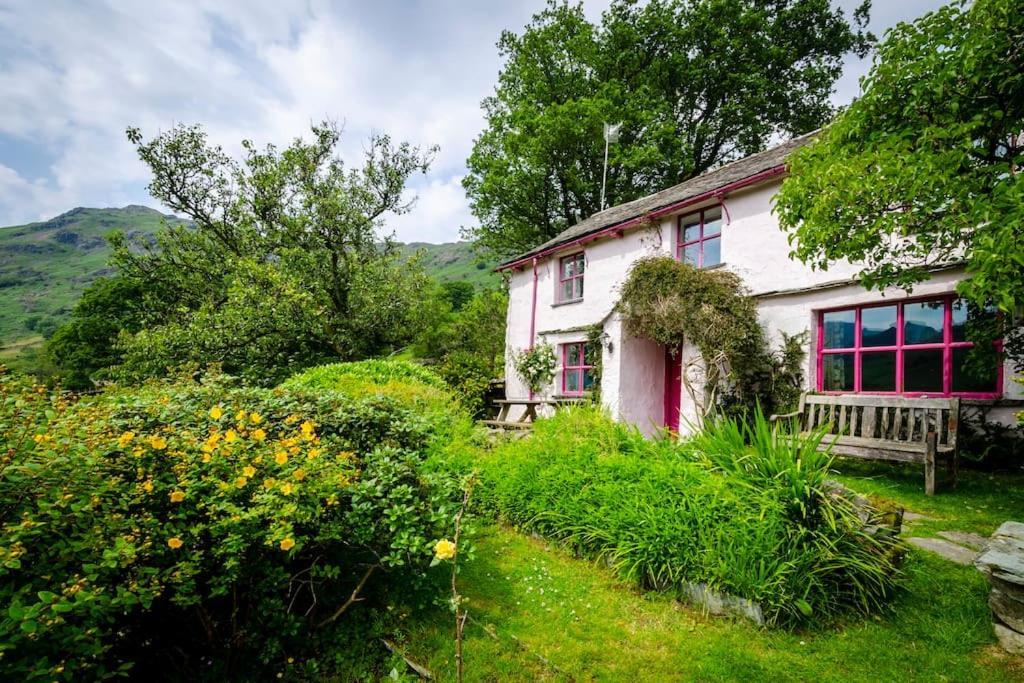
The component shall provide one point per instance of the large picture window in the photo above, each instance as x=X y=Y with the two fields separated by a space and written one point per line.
x=700 y=238
x=914 y=347
x=577 y=369
x=570 y=278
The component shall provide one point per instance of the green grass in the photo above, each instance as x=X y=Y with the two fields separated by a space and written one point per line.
x=590 y=625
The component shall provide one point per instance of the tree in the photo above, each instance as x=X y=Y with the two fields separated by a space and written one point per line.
x=924 y=169
x=694 y=83
x=282 y=264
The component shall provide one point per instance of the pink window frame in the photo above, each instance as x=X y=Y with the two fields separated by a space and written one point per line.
x=701 y=239
x=579 y=370
x=578 y=276
x=858 y=349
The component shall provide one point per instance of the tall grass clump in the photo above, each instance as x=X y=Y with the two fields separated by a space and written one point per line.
x=745 y=510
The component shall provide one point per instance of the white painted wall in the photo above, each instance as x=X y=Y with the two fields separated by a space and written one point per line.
x=753 y=247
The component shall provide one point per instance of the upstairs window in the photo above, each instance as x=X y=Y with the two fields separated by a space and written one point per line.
x=700 y=238
x=577 y=369
x=570 y=278
x=915 y=347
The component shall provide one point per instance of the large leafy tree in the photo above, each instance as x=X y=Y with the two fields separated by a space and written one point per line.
x=694 y=83
x=283 y=264
x=925 y=167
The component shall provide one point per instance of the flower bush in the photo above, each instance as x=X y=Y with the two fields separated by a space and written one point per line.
x=205 y=529
x=536 y=366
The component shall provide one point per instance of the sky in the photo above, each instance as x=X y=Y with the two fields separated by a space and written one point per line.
x=75 y=74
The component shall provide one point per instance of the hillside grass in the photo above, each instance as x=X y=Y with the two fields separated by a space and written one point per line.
x=588 y=624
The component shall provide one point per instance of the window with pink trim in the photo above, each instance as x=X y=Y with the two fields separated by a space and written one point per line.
x=916 y=347
x=577 y=369
x=570 y=278
x=699 y=241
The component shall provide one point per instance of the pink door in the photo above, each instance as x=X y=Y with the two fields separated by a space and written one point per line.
x=673 y=388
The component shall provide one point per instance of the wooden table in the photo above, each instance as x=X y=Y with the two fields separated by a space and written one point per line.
x=529 y=413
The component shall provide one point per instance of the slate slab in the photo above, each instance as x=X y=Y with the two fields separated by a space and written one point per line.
x=1009 y=640
x=1008 y=608
x=951 y=551
x=965 y=538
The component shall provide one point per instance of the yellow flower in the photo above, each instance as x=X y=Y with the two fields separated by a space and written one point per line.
x=444 y=549
x=259 y=434
x=299 y=474
x=255 y=418
x=174 y=542
x=230 y=435
x=286 y=489
x=157 y=443
x=207 y=457
x=313 y=453
x=148 y=487
x=239 y=416
x=248 y=470
x=241 y=481
x=281 y=457
x=287 y=544
x=138 y=450
x=216 y=413
x=269 y=482
x=125 y=439
x=291 y=419
x=308 y=430
x=346 y=455
x=177 y=496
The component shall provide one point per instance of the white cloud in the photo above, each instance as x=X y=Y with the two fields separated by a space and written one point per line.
x=440 y=210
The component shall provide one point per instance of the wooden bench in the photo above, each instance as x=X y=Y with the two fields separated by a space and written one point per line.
x=529 y=413
x=916 y=430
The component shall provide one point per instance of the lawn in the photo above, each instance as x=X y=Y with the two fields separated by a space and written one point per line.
x=553 y=616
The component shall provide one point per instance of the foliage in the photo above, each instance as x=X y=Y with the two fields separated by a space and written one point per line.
x=754 y=521
x=187 y=531
x=472 y=349
x=282 y=266
x=595 y=357
x=85 y=346
x=671 y=303
x=990 y=444
x=694 y=84
x=457 y=294
x=924 y=167
x=536 y=366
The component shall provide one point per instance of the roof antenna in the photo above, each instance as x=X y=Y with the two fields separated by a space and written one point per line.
x=611 y=134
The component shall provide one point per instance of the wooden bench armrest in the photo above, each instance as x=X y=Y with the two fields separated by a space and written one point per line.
x=783 y=416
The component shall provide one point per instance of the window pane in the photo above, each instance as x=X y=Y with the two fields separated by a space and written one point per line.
x=922 y=370
x=580 y=264
x=969 y=377
x=579 y=287
x=588 y=380
x=837 y=372
x=712 y=252
x=923 y=322
x=568 y=268
x=712 y=222
x=878 y=326
x=572 y=355
x=691 y=232
x=690 y=253
x=839 y=329
x=962 y=312
x=567 y=287
x=572 y=381
x=878 y=371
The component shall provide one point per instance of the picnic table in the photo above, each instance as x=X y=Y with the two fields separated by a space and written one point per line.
x=529 y=413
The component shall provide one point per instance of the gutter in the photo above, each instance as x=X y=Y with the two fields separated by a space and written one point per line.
x=717 y=193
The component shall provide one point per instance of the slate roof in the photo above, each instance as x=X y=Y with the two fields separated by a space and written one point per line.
x=708 y=181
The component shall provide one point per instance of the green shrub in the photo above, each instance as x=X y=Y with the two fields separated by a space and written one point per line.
x=753 y=521
x=375 y=371
x=205 y=531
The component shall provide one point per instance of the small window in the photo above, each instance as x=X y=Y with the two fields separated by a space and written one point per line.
x=700 y=238
x=570 y=278
x=577 y=369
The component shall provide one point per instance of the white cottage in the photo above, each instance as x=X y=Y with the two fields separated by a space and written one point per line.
x=860 y=341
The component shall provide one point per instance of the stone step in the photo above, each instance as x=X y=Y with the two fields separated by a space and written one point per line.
x=965 y=538
x=951 y=551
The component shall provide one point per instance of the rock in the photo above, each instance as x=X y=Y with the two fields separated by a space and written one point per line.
x=1008 y=608
x=1009 y=640
x=909 y=516
x=972 y=541
x=722 y=603
x=1003 y=558
x=950 y=551
x=1010 y=530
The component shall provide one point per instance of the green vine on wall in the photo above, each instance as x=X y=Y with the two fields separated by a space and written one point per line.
x=595 y=357
x=671 y=302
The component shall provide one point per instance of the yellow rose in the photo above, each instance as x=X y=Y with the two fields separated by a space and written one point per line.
x=269 y=482
x=216 y=413
x=174 y=542
x=148 y=487
x=287 y=544
x=239 y=416
x=255 y=418
x=125 y=439
x=259 y=434
x=286 y=489
x=157 y=443
x=313 y=453
x=281 y=457
x=230 y=435
x=248 y=470
x=444 y=549
x=299 y=474
x=177 y=496
x=241 y=481
x=207 y=457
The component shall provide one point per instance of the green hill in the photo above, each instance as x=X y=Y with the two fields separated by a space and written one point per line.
x=45 y=266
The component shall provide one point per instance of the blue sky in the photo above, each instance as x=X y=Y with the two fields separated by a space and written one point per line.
x=73 y=75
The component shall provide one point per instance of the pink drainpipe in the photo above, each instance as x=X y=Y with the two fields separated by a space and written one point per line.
x=533 y=314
